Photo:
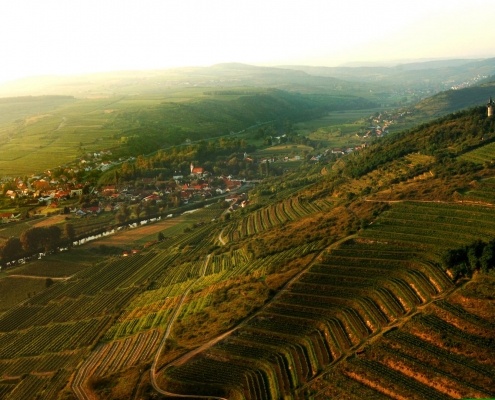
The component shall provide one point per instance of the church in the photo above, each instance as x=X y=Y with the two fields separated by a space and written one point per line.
x=490 y=105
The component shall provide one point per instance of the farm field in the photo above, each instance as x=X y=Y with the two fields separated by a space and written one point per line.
x=164 y=117
x=50 y=267
x=283 y=149
x=124 y=304
x=72 y=316
x=14 y=290
x=481 y=191
x=481 y=155
x=146 y=233
x=64 y=134
x=337 y=117
x=273 y=215
x=332 y=327
x=443 y=353
x=355 y=292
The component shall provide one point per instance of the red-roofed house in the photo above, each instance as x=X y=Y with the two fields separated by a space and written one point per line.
x=196 y=171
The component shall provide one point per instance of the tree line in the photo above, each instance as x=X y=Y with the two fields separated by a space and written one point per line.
x=36 y=240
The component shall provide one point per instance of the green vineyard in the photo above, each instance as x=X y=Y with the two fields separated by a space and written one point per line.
x=273 y=215
x=361 y=289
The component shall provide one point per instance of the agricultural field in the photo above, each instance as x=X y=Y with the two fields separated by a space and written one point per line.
x=49 y=267
x=481 y=191
x=481 y=155
x=16 y=289
x=445 y=352
x=127 y=238
x=58 y=325
x=287 y=150
x=359 y=290
x=31 y=108
x=310 y=320
x=272 y=215
x=322 y=285
x=69 y=130
x=122 y=306
x=66 y=133
x=337 y=119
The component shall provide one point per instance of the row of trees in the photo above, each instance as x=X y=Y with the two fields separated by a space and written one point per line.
x=37 y=239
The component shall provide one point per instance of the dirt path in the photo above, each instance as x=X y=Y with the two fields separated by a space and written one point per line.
x=187 y=356
x=221 y=239
x=397 y=324
x=468 y=202
x=153 y=370
x=39 y=277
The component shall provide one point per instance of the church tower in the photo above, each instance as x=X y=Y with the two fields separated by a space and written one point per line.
x=490 y=107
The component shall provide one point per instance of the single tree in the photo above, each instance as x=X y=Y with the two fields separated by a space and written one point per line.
x=31 y=240
x=70 y=233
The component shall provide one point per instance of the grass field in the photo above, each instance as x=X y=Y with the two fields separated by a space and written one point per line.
x=60 y=267
x=14 y=290
x=337 y=129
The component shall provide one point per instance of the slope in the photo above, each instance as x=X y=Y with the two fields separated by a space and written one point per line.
x=315 y=286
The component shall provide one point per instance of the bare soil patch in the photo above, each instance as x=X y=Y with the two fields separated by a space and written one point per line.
x=52 y=220
x=129 y=236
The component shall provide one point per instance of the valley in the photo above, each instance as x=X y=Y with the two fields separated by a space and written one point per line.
x=302 y=240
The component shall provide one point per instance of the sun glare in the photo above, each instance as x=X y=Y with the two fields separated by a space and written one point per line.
x=60 y=37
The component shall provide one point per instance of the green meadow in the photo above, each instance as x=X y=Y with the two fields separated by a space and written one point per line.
x=337 y=128
x=55 y=137
x=51 y=131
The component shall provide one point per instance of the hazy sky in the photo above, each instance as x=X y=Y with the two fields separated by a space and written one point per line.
x=75 y=36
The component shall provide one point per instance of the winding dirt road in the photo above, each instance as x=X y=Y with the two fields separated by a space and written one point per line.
x=187 y=356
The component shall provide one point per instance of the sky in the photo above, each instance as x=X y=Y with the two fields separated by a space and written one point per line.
x=54 y=37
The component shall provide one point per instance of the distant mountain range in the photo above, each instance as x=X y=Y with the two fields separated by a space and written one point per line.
x=433 y=72
x=435 y=76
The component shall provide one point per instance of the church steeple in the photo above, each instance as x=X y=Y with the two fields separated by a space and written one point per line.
x=489 y=107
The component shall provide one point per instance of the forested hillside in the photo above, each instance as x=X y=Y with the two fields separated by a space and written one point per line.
x=223 y=112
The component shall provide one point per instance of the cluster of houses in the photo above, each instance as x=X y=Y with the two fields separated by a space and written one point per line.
x=43 y=188
x=53 y=190
x=56 y=193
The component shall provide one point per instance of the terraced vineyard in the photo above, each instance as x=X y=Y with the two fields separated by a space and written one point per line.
x=43 y=340
x=329 y=284
x=311 y=339
x=307 y=336
x=482 y=191
x=447 y=352
x=481 y=155
x=273 y=215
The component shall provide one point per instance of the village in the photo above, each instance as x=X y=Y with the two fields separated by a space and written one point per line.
x=47 y=194
x=73 y=189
